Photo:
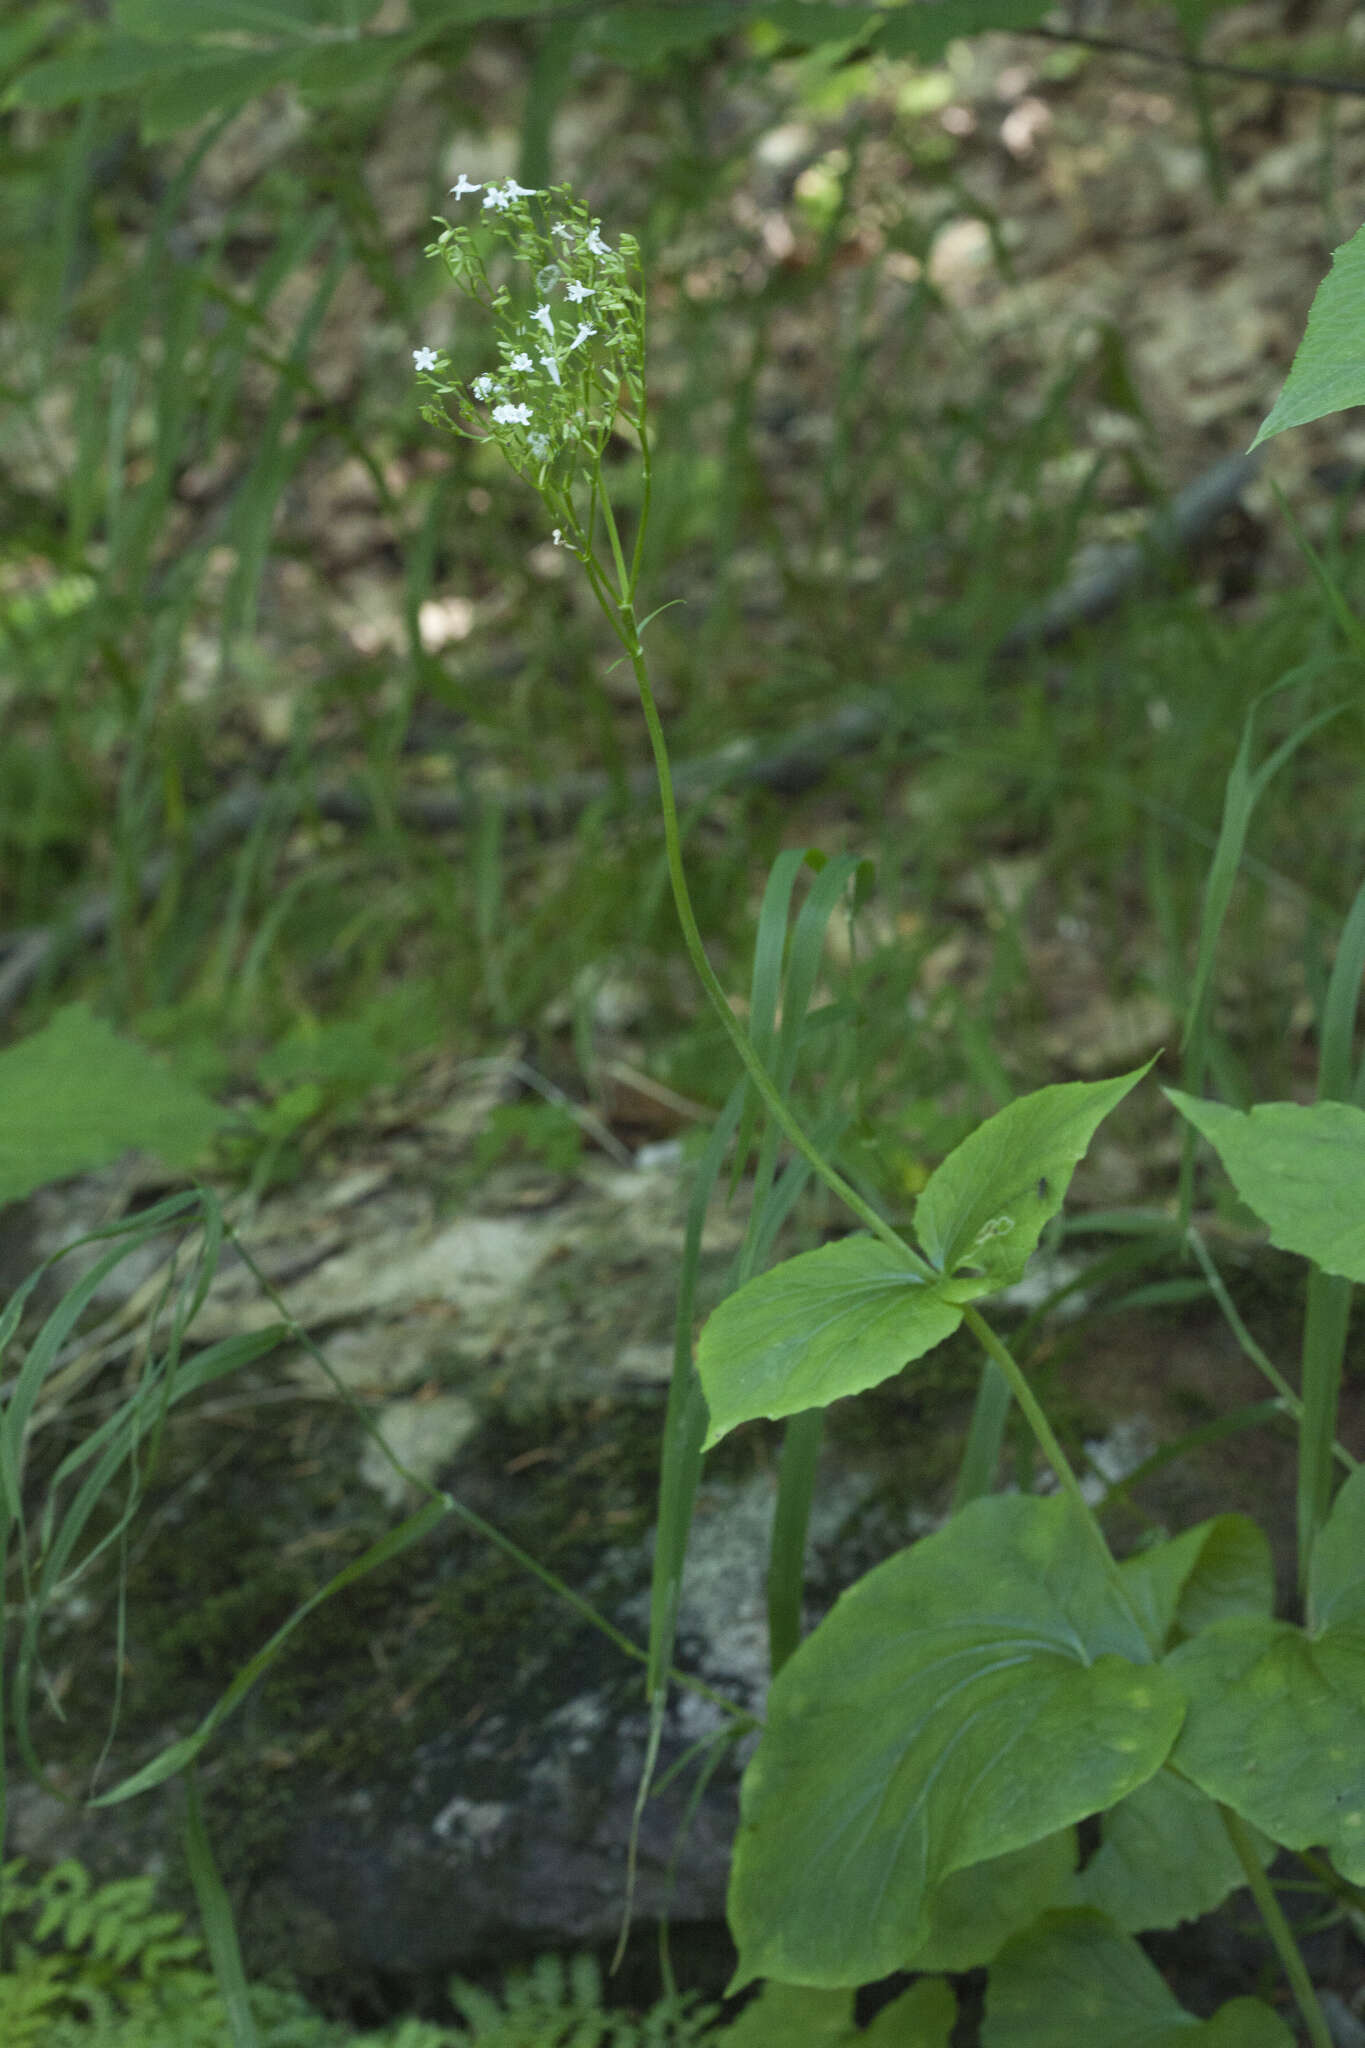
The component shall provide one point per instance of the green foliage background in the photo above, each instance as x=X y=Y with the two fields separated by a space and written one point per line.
x=171 y=410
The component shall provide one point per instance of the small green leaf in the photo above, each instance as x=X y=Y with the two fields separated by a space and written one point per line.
x=209 y=82
x=984 y=1689
x=1164 y=1857
x=75 y=1095
x=1074 y=1977
x=1328 y=371
x=783 y=2013
x=786 y=2014
x=922 y=2017
x=820 y=1326
x=925 y=32
x=811 y=23
x=984 y=1209
x=1221 y=1567
x=1301 y=1167
x=640 y=36
x=257 y=19
x=115 y=64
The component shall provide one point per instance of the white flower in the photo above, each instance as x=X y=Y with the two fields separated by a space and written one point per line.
x=575 y=293
x=521 y=362
x=462 y=185
x=424 y=358
x=557 y=537
x=552 y=369
x=542 y=313
x=483 y=387
x=498 y=199
x=512 y=415
x=592 y=241
x=516 y=191
x=539 y=445
x=583 y=332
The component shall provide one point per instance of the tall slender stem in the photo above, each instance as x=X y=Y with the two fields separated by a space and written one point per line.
x=1044 y=1436
x=1278 y=1928
x=772 y=1099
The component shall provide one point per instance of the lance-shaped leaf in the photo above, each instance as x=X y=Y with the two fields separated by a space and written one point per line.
x=1275 y=1726
x=848 y=1316
x=1329 y=370
x=984 y=1689
x=1301 y=1167
x=820 y=1326
x=984 y=1209
x=1076 y=1978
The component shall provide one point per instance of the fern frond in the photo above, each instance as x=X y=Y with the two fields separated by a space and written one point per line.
x=29 y=1996
x=558 y=2004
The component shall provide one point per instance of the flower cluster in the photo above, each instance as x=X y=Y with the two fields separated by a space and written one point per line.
x=568 y=313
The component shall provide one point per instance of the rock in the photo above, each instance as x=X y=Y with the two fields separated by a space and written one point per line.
x=440 y=1771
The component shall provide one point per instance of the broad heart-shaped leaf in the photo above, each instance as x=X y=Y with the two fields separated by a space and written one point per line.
x=1329 y=370
x=1074 y=1978
x=974 y=1694
x=1300 y=1166
x=74 y=1096
x=1164 y=1857
x=1221 y=1567
x=985 y=1207
x=1275 y=1726
x=973 y=1913
x=828 y=1323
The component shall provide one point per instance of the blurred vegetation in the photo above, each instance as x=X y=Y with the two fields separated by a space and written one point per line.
x=234 y=562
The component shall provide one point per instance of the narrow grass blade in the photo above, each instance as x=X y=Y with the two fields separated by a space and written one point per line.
x=1337 y=1024
x=181 y=1753
x=1351 y=629
x=1326 y=1321
x=686 y=1417
x=985 y=1438
x=1245 y=787
x=765 y=987
x=215 y=1911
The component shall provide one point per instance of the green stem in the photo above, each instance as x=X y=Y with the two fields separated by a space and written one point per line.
x=647 y=471
x=622 y=617
x=1043 y=1434
x=1278 y=1928
x=772 y=1099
